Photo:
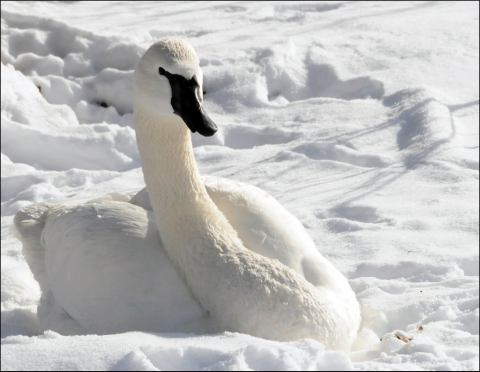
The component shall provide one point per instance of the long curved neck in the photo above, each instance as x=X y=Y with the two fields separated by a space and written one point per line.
x=168 y=163
x=186 y=216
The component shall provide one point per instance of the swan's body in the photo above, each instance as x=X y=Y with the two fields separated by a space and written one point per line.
x=104 y=264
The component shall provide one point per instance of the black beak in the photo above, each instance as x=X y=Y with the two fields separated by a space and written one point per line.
x=185 y=101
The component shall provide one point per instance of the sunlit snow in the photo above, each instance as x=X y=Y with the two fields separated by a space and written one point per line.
x=361 y=118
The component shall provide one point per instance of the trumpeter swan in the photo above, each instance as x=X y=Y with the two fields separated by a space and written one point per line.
x=194 y=254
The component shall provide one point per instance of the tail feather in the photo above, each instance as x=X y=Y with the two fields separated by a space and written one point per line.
x=29 y=223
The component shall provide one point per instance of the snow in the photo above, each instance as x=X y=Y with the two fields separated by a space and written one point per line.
x=147 y=352
x=360 y=118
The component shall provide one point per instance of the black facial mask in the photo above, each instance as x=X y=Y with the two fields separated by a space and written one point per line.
x=185 y=102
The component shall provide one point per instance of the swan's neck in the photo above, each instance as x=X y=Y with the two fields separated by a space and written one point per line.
x=187 y=218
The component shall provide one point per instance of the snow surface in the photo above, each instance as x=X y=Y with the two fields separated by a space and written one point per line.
x=360 y=118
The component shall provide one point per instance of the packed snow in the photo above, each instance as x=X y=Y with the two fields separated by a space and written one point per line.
x=360 y=118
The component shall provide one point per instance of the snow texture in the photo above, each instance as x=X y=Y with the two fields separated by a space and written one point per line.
x=360 y=118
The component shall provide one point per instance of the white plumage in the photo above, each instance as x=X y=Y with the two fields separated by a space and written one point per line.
x=195 y=255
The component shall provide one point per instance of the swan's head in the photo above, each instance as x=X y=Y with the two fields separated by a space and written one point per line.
x=168 y=81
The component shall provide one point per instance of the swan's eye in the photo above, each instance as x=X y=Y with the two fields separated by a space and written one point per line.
x=161 y=71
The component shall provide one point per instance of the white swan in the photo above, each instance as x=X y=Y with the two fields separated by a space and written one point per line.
x=103 y=268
